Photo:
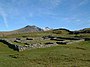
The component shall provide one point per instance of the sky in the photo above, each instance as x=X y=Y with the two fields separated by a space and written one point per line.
x=69 y=14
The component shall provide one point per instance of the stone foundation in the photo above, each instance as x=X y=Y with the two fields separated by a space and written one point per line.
x=33 y=46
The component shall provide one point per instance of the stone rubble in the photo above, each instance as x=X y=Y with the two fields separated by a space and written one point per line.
x=33 y=46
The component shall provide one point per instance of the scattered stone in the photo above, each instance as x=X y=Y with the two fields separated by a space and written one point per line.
x=49 y=43
x=18 y=39
x=62 y=42
x=39 y=45
x=29 y=39
x=27 y=43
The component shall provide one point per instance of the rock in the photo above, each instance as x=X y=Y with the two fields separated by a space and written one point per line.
x=49 y=43
x=62 y=42
x=29 y=39
x=18 y=39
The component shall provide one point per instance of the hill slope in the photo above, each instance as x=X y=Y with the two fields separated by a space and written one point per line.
x=29 y=28
x=86 y=30
x=25 y=29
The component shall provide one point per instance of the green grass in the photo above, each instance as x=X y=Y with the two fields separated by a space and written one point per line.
x=74 y=55
x=35 y=34
x=5 y=49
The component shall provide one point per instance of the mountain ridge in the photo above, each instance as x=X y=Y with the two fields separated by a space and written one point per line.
x=25 y=29
x=29 y=28
x=33 y=28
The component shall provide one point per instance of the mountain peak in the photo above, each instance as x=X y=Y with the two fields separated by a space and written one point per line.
x=30 y=28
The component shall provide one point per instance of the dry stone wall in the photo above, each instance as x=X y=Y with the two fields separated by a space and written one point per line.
x=10 y=44
x=21 y=48
x=33 y=46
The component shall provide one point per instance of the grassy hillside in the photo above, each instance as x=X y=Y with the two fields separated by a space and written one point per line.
x=34 y=31
x=74 y=55
x=86 y=30
x=25 y=29
x=71 y=55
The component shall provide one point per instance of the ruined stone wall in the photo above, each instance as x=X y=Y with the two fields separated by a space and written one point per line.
x=76 y=41
x=10 y=45
x=21 y=48
x=33 y=46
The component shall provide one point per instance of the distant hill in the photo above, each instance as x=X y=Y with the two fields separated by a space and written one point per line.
x=86 y=30
x=25 y=29
x=66 y=31
x=29 y=28
x=61 y=31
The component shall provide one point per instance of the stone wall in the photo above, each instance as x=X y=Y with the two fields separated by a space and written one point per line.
x=76 y=41
x=10 y=44
x=33 y=46
x=87 y=39
x=67 y=38
x=22 y=48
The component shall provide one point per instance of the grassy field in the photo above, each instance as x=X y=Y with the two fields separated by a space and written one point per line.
x=74 y=55
x=71 y=55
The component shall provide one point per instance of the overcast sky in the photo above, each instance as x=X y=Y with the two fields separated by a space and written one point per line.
x=70 y=14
